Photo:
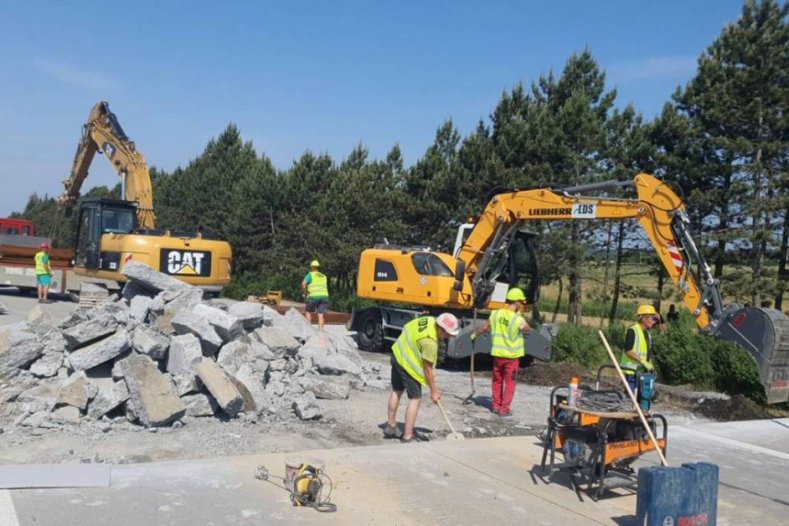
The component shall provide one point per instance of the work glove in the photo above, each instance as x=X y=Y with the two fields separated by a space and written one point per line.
x=473 y=336
x=648 y=366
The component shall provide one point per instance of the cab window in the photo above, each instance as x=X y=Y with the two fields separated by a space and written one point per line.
x=430 y=265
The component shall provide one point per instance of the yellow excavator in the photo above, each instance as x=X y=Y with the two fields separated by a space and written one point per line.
x=497 y=252
x=111 y=233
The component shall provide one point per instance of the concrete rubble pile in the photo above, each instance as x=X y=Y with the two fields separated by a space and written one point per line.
x=160 y=353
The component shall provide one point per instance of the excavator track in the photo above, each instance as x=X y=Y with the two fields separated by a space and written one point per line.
x=764 y=334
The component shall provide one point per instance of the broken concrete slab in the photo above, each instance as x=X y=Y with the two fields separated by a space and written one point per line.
x=74 y=318
x=227 y=326
x=200 y=405
x=66 y=414
x=76 y=391
x=235 y=355
x=306 y=406
x=253 y=384
x=251 y=315
x=327 y=388
x=40 y=419
x=131 y=290
x=220 y=386
x=20 y=355
x=186 y=383
x=100 y=352
x=39 y=321
x=180 y=299
x=301 y=329
x=107 y=399
x=48 y=364
x=39 y=398
x=327 y=359
x=90 y=331
x=189 y=322
x=148 y=341
x=149 y=279
x=140 y=307
x=151 y=395
x=184 y=354
x=278 y=340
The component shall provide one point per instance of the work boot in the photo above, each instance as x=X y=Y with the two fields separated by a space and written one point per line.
x=392 y=432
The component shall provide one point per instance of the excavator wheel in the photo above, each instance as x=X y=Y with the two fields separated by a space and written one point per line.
x=370 y=332
x=764 y=334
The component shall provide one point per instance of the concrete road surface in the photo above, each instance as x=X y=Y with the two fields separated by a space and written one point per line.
x=483 y=481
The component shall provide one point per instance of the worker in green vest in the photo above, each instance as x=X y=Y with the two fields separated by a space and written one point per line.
x=507 y=326
x=43 y=272
x=414 y=355
x=315 y=286
x=638 y=344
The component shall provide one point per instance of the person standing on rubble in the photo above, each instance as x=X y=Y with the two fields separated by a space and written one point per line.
x=43 y=272
x=638 y=344
x=315 y=286
x=508 y=327
x=414 y=355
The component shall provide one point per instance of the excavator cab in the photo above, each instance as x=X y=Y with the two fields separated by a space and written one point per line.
x=96 y=218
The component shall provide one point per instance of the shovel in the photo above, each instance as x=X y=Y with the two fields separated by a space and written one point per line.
x=453 y=435
x=471 y=371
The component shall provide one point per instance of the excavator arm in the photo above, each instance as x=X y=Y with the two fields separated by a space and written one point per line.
x=763 y=333
x=103 y=133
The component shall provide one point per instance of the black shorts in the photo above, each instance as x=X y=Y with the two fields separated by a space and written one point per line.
x=402 y=381
x=320 y=306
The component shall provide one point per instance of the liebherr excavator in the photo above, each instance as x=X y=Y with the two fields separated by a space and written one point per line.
x=111 y=233
x=496 y=252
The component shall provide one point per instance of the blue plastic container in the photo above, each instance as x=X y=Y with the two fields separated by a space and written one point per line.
x=684 y=496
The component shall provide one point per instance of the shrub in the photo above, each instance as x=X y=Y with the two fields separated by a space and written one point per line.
x=683 y=357
x=579 y=345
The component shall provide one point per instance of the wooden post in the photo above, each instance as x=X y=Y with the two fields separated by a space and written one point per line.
x=633 y=398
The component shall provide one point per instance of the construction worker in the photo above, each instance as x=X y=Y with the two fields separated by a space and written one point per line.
x=507 y=326
x=43 y=272
x=315 y=286
x=638 y=344
x=414 y=354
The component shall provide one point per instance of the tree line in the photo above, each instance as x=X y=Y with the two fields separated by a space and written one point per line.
x=720 y=141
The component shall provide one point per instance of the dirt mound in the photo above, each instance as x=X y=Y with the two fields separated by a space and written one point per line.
x=738 y=407
x=551 y=373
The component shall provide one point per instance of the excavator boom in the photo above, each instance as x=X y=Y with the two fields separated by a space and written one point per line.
x=103 y=133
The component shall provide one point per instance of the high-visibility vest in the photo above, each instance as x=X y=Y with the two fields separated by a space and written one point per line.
x=318 y=287
x=640 y=347
x=41 y=268
x=406 y=347
x=505 y=326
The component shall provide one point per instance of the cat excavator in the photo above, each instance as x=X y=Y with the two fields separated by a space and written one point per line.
x=111 y=233
x=497 y=252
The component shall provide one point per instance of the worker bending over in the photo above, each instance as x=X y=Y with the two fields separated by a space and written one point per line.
x=414 y=355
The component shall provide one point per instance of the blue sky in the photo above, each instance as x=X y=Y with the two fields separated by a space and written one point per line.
x=300 y=75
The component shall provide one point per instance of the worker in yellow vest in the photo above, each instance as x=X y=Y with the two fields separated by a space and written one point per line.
x=638 y=344
x=315 y=286
x=414 y=355
x=43 y=272
x=507 y=326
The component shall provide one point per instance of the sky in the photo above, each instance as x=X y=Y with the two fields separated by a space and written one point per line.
x=298 y=75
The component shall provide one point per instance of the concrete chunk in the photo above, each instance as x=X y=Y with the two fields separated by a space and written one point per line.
x=184 y=355
x=18 y=346
x=302 y=330
x=108 y=399
x=227 y=326
x=100 y=352
x=278 y=340
x=234 y=355
x=251 y=315
x=200 y=405
x=140 y=307
x=180 y=299
x=151 y=395
x=253 y=384
x=39 y=321
x=186 y=383
x=48 y=364
x=327 y=387
x=189 y=322
x=220 y=386
x=149 y=279
x=148 y=341
x=306 y=406
x=66 y=414
x=39 y=398
x=89 y=331
x=75 y=392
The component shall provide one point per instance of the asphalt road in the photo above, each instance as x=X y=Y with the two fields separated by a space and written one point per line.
x=19 y=304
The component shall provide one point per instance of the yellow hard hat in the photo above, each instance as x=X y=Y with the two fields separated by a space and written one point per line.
x=516 y=294
x=315 y=263
x=644 y=310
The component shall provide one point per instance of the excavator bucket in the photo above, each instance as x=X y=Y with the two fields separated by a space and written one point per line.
x=764 y=334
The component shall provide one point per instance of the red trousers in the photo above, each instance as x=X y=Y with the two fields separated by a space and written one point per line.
x=505 y=371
